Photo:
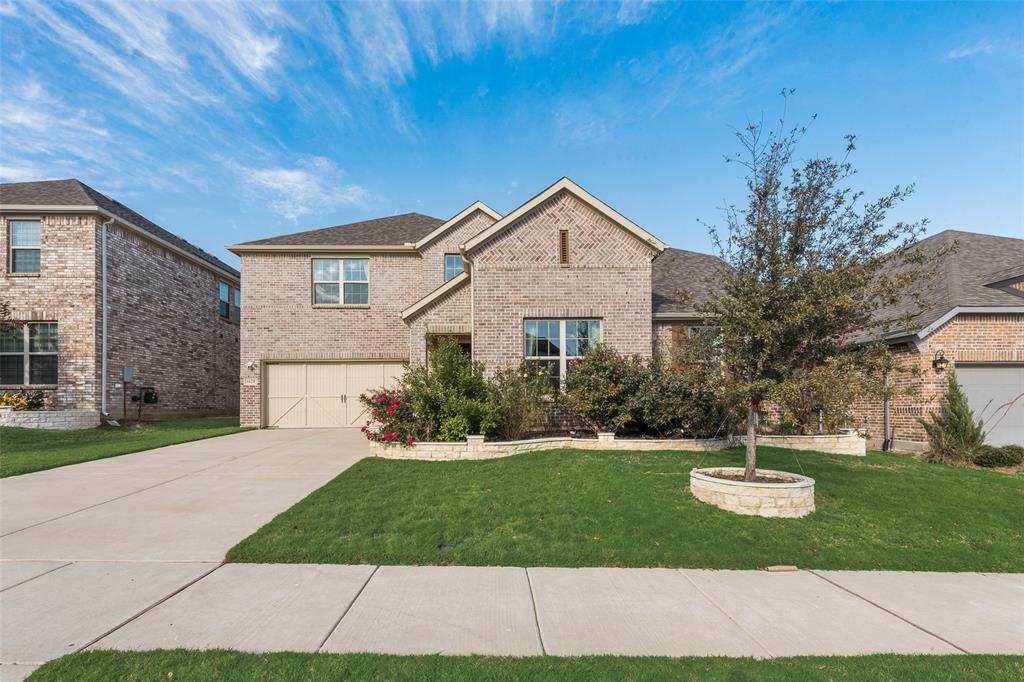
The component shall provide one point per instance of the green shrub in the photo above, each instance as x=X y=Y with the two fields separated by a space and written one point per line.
x=681 y=401
x=517 y=394
x=449 y=396
x=23 y=400
x=954 y=435
x=601 y=387
x=1005 y=456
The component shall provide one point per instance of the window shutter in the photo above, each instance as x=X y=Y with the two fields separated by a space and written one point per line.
x=563 y=247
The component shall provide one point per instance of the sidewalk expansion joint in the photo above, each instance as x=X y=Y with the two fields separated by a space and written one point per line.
x=536 y=615
x=890 y=612
x=728 y=615
x=347 y=609
x=26 y=580
x=149 y=608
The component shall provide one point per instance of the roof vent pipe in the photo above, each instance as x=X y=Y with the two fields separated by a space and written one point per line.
x=103 y=317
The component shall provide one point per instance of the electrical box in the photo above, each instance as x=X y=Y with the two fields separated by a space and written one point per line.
x=149 y=396
x=127 y=374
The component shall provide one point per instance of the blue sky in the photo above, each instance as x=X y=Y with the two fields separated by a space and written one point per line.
x=232 y=121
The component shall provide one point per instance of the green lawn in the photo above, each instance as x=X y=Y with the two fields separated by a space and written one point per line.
x=588 y=508
x=26 y=450
x=188 y=666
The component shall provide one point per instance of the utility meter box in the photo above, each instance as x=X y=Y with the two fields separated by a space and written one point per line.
x=149 y=396
x=127 y=374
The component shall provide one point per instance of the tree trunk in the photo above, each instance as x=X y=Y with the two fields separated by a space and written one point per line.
x=751 y=464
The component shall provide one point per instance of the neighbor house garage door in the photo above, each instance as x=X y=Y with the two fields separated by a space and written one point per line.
x=318 y=394
x=994 y=392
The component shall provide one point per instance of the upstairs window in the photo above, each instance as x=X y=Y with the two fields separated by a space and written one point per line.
x=25 y=246
x=550 y=345
x=453 y=266
x=28 y=355
x=229 y=303
x=344 y=281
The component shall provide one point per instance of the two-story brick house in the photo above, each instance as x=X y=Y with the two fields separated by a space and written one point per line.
x=335 y=311
x=95 y=286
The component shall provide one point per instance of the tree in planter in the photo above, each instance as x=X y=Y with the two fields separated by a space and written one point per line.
x=954 y=434
x=807 y=272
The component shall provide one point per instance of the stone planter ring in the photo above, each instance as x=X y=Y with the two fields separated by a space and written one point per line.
x=786 y=496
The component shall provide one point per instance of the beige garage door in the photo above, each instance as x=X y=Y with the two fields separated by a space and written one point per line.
x=319 y=394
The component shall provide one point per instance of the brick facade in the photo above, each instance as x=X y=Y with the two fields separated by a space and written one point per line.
x=967 y=338
x=517 y=275
x=162 y=319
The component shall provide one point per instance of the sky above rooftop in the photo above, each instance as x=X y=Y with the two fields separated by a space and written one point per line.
x=231 y=121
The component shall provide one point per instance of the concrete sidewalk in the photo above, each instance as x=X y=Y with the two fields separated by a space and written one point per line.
x=502 y=611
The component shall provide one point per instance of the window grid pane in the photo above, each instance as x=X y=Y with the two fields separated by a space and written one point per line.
x=13 y=341
x=326 y=270
x=43 y=369
x=25 y=260
x=42 y=338
x=12 y=369
x=326 y=294
x=25 y=234
x=453 y=266
x=356 y=270
x=356 y=293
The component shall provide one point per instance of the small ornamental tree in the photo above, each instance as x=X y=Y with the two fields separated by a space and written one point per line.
x=601 y=387
x=954 y=434
x=807 y=259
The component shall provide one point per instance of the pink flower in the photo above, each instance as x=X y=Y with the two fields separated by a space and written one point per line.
x=409 y=442
x=394 y=434
x=363 y=429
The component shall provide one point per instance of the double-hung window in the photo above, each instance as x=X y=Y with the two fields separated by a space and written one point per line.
x=551 y=344
x=229 y=302
x=25 y=246
x=453 y=266
x=28 y=355
x=341 y=281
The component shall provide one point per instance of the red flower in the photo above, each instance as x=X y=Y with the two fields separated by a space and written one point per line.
x=387 y=436
x=409 y=442
x=363 y=429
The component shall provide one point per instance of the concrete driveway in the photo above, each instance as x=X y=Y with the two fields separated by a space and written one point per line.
x=85 y=548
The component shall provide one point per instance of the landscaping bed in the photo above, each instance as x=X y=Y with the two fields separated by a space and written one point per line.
x=25 y=450
x=601 y=508
x=233 y=665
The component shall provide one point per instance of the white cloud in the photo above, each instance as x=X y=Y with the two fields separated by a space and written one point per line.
x=20 y=173
x=635 y=11
x=983 y=46
x=314 y=185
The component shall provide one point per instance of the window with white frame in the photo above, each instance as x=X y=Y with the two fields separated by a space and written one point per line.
x=702 y=342
x=341 y=281
x=551 y=344
x=453 y=266
x=25 y=246
x=28 y=355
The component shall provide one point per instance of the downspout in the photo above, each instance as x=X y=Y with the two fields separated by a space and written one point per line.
x=886 y=439
x=103 y=318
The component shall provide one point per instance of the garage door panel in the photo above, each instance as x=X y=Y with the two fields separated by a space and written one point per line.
x=323 y=394
x=995 y=395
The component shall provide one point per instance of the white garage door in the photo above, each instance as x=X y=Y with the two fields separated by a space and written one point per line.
x=319 y=394
x=995 y=393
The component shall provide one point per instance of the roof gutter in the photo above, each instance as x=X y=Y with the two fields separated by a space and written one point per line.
x=1008 y=310
x=146 y=234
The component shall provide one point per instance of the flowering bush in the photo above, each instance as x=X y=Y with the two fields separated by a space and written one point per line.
x=391 y=420
x=518 y=397
x=22 y=400
x=683 y=401
x=601 y=388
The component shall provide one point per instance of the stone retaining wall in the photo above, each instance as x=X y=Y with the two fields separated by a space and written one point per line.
x=64 y=420
x=838 y=444
x=475 y=447
x=773 y=500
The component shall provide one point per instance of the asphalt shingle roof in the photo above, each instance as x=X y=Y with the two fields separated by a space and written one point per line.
x=962 y=278
x=678 y=270
x=391 y=231
x=76 y=193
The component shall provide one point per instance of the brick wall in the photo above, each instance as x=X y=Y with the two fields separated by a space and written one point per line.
x=163 y=321
x=279 y=321
x=448 y=315
x=964 y=339
x=432 y=265
x=517 y=275
x=64 y=292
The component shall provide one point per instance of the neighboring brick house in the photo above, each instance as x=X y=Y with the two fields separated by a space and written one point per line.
x=971 y=318
x=171 y=309
x=332 y=312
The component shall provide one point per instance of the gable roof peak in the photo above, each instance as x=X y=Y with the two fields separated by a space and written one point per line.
x=476 y=206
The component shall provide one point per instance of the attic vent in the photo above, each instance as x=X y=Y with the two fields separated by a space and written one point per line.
x=563 y=247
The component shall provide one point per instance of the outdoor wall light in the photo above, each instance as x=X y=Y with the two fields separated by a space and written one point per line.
x=940 y=362
x=251 y=365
